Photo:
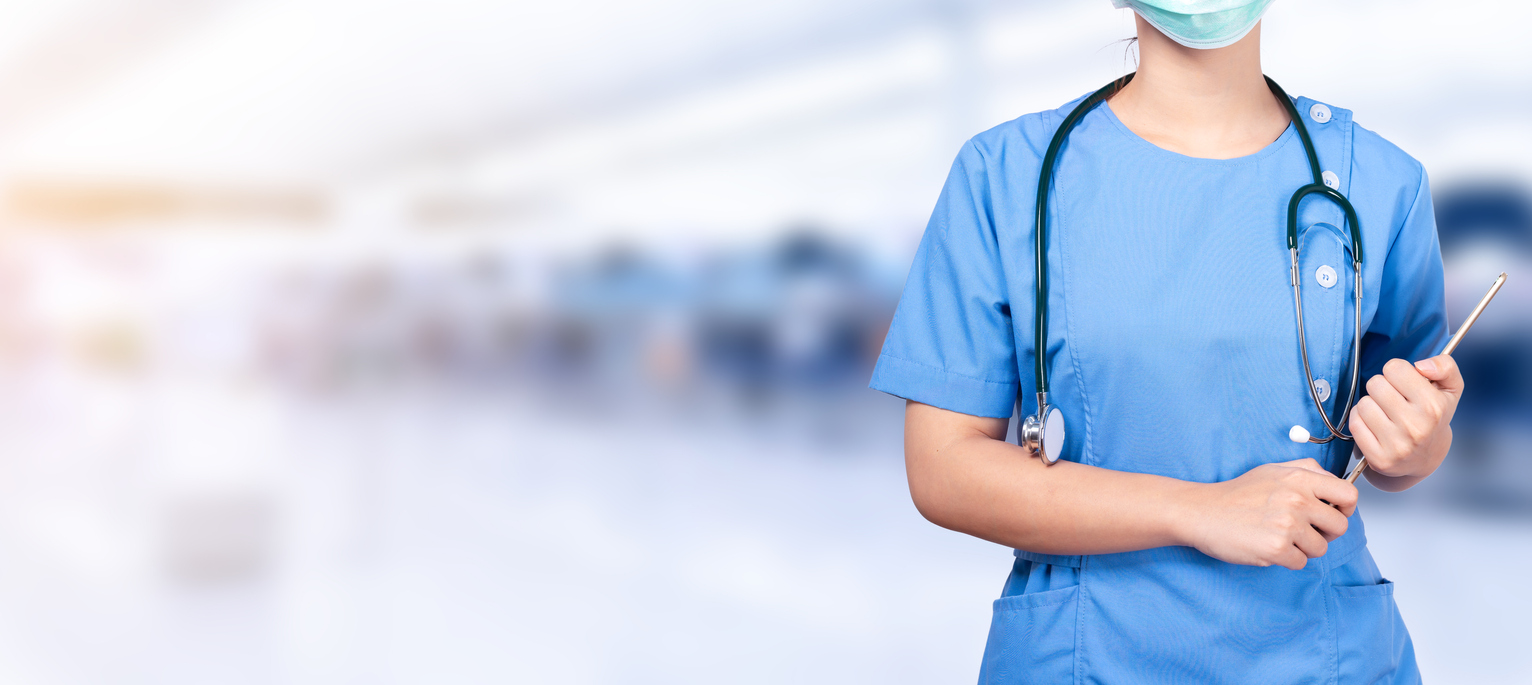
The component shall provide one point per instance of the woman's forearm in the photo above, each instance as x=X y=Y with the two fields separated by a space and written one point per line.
x=985 y=487
x=964 y=476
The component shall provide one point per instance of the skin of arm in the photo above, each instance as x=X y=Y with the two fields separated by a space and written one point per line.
x=964 y=476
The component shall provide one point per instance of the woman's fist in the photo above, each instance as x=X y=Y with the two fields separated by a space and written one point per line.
x=1276 y=514
x=1403 y=425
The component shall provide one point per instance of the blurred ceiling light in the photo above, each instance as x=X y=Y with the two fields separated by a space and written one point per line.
x=589 y=105
x=717 y=120
x=80 y=204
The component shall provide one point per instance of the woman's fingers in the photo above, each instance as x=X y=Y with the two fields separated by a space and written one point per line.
x=1346 y=510
x=1330 y=523
x=1307 y=464
x=1293 y=558
x=1276 y=515
x=1390 y=438
x=1402 y=425
x=1408 y=380
x=1364 y=434
x=1443 y=371
x=1335 y=491
x=1389 y=398
x=1310 y=542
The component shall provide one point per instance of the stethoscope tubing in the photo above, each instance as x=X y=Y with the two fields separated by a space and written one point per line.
x=1335 y=427
x=1044 y=185
x=1317 y=187
x=1356 y=352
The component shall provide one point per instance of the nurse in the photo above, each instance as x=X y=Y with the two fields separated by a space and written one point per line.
x=1182 y=538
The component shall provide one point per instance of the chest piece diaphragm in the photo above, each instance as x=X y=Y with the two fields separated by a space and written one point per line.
x=1044 y=437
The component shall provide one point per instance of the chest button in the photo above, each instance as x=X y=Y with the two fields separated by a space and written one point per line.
x=1319 y=113
x=1331 y=180
x=1322 y=387
x=1325 y=276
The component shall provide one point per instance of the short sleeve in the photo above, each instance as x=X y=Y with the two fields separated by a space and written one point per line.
x=951 y=343
x=1411 y=320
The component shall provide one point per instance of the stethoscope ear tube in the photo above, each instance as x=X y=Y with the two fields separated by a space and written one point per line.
x=1337 y=198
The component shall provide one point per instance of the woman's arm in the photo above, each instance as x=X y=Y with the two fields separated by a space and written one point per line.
x=965 y=477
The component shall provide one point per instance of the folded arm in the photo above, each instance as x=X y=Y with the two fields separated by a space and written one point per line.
x=965 y=477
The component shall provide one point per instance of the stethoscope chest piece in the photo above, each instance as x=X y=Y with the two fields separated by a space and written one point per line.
x=1045 y=437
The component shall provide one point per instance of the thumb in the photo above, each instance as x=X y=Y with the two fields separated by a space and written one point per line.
x=1442 y=370
x=1308 y=464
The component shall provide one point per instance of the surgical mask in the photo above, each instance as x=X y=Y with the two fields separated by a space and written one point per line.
x=1201 y=24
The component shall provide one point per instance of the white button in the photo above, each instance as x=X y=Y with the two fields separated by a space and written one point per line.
x=1325 y=276
x=1320 y=113
x=1322 y=387
x=1331 y=180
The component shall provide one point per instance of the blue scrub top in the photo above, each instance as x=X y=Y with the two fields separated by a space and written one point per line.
x=1173 y=350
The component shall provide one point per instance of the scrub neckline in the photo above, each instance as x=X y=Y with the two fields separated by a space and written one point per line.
x=1271 y=148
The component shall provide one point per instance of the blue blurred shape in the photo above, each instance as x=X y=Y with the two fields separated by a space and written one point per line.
x=1500 y=211
x=1485 y=227
x=802 y=314
x=1497 y=367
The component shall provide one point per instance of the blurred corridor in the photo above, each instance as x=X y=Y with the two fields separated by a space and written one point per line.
x=466 y=342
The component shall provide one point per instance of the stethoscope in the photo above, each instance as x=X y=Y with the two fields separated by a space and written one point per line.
x=1042 y=433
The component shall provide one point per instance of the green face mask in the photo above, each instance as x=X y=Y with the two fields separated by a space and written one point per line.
x=1201 y=24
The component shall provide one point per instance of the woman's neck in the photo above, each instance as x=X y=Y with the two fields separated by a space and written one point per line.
x=1200 y=103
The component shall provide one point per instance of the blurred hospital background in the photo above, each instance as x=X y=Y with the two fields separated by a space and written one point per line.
x=513 y=342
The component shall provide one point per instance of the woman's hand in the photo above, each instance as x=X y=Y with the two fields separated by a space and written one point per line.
x=1403 y=425
x=1282 y=514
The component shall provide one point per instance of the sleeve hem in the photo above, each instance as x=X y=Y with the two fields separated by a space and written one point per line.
x=944 y=389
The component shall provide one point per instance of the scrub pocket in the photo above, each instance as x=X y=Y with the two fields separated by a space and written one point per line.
x=1372 y=644
x=1032 y=634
